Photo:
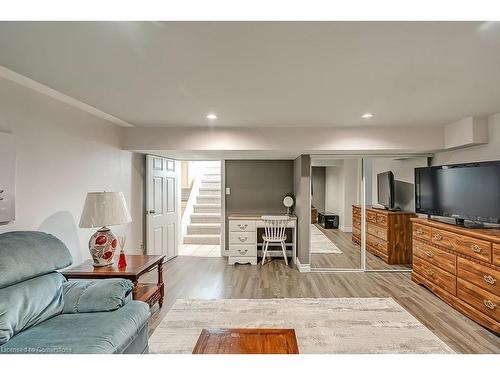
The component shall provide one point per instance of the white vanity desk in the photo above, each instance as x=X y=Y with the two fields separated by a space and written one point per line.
x=243 y=244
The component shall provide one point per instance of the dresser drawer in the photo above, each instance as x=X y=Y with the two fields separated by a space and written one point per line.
x=356 y=223
x=241 y=226
x=496 y=254
x=422 y=231
x=243 y=250
x=435 y=256
x=482 y=276
x=486 y=302
x=356 y=211
x=436 y=275
x=371 y=216
x=377 y=231
x=444 y=238
x=377 y=243
x=356 y=232
x=240 y=238
x=382 y=219
x=474 y=248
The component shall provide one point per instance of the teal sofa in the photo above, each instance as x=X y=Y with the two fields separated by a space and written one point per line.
x=42 y=312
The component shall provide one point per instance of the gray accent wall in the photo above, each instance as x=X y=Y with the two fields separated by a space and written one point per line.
x=257 y=186
x=302 y=190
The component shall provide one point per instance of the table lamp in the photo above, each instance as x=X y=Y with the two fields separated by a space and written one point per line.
x=103 y=209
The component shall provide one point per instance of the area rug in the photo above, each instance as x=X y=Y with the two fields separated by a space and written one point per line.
x=322 y=325
x=321 y=244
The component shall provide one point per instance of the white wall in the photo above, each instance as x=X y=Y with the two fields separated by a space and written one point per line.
x=343 y=190
x=62 y=153
x=489 y=151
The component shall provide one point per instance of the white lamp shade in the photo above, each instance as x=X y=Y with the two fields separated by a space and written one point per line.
x=104 y=209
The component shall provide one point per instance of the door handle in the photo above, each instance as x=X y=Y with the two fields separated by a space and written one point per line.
x=151 y=212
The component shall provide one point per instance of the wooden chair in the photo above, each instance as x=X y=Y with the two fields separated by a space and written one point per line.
x=274 y=232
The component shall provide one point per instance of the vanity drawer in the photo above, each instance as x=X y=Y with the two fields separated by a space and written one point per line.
x=474 y=248
x=240 y=238
x=377 y=231
x=444 y=238
x=437 y=257
x=422 y=231
x=482 y=276
x=496 y=254
x=243 y=250
x=486 y=302
x=382 y=219
x=436 y=275
x=371 y=216
x=241 y=226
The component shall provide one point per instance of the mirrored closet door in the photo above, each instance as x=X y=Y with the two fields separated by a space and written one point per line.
x=390 y=205
x=335 y=200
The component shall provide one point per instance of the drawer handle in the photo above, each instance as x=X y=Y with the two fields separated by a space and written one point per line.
x=430 y=272
x=476 y=248
x=438 y=237
x=429 y=254
x=242 y=252
x=490 y=305
x=419 y=231
x=243 y=239
x=489 y=279
x=243 y=226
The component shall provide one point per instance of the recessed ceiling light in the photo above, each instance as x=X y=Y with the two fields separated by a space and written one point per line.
x=212 y=116
x=367 y=115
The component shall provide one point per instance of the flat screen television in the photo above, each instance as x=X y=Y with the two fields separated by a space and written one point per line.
x=385 y=189
x=462 y=191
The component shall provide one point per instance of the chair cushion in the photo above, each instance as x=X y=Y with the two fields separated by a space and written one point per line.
x=81 y=296
x=28 y=303
x=24 y=255
x=100 y=332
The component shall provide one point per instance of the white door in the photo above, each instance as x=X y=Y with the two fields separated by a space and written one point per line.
x=162 y=201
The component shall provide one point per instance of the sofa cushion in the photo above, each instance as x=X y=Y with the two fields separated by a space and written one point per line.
x=81 y=296
x=30 y=302
x=24 y=255
x=100 y=332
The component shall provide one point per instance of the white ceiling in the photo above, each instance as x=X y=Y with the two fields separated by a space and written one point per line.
x=265 y=73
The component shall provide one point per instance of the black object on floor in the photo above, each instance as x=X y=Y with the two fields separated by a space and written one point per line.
x=328 y=220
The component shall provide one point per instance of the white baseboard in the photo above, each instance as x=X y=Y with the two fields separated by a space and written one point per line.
x=346 y=229
x=303 y=267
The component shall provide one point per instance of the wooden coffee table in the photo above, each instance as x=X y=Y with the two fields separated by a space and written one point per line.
x=137 y=265
x=246 y=341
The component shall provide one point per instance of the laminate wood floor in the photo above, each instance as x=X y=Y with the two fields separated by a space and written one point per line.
x=213 y=278
x=351 y=254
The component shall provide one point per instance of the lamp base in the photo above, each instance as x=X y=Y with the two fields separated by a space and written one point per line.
x=102 y=246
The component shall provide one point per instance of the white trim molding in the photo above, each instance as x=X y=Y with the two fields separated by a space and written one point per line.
x=303 y=267
x=54 y=94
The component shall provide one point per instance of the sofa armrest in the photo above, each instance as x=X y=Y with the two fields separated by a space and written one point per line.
x=85 y=296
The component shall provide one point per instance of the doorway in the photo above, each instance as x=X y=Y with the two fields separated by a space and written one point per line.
x=201 y=208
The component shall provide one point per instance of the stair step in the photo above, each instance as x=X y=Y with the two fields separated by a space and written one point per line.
x=209 y=191
x=210 y=179
x=202 y=239
x=210 y=185
x=207 y=208
x=206 y=218
x=205 y=228
x=204 y=199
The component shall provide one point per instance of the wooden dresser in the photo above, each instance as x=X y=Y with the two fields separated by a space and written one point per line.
x=388 y=233
x=461 y=266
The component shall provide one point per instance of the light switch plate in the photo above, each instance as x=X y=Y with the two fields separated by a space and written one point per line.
x=228 y=191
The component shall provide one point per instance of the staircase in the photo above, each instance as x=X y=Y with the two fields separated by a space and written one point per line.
x=205 y=224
